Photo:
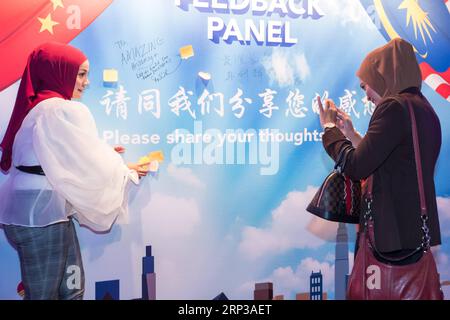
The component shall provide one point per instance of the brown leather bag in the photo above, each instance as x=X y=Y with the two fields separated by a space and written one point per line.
x=374 y=280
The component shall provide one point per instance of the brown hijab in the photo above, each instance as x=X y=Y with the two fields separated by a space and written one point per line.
x=391 y=68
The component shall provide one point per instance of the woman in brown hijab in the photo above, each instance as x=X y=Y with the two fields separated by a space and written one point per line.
x=386 y=151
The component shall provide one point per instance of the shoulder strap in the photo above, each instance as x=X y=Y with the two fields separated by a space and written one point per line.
x=423 y=205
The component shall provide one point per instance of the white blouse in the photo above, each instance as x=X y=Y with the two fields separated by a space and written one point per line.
x=84 y=176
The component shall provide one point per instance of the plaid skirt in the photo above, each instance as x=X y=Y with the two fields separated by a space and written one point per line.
x=50 y=260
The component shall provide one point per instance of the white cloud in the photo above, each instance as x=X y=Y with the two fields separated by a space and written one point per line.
x=172 y=226
x=442 y=261
x=351 y=260
x=177 y=217
x=442 y=258
x=288 y=228
x=289 y=282
x=182 y=247
x=303 y=70
x=184 y=175
x=285 y=67
x=330 y=257
x=443 y=266
x=347 y=11
x=324 y=229
x=443 y=205
x=245 y=290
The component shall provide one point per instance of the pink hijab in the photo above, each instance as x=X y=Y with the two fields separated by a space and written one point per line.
x=51 y=71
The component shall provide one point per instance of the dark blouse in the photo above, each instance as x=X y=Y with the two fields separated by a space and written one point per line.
x=387 y=152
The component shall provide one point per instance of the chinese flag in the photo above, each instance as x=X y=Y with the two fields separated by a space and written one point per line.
x=26 y=24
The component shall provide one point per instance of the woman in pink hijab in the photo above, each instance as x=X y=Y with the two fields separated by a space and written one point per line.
x=58 y=169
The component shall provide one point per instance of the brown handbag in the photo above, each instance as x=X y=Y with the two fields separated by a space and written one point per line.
x=374 y=280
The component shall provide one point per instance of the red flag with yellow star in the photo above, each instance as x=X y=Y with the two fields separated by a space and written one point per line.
x=27 y=24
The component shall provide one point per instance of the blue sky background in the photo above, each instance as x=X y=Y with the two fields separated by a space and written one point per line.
x=218 y=228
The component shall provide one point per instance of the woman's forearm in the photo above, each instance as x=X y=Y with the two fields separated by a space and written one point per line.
x=355 y=138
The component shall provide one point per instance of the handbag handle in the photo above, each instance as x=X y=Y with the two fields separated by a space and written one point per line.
x=342 y=158
x=423 y=206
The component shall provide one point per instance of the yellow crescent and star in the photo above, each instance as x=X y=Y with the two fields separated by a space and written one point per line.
x=48 y=23
x=415 y=13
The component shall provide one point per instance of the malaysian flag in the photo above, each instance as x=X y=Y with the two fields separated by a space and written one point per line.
x=426 y=25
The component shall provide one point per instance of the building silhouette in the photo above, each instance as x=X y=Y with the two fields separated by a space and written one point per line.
x=306 y=296
x=341 y=263
x=263 y=291
x=221 y=296
x=445 y=287
x=107 y=290
x=148 y=275
x=302 y=296
x=316 y=286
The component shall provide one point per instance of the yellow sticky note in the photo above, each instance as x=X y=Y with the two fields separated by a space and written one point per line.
x=204 y=75
x=156 y=155
x=110 y=75
x=186 y=52
x=144 y=159
x=154 y=166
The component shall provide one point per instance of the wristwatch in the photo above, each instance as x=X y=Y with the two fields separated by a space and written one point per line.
x=329 y=125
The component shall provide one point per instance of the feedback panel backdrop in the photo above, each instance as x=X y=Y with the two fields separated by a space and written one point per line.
x=225 y=89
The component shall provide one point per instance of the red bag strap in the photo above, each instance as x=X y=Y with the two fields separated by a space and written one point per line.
x=423 y=204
